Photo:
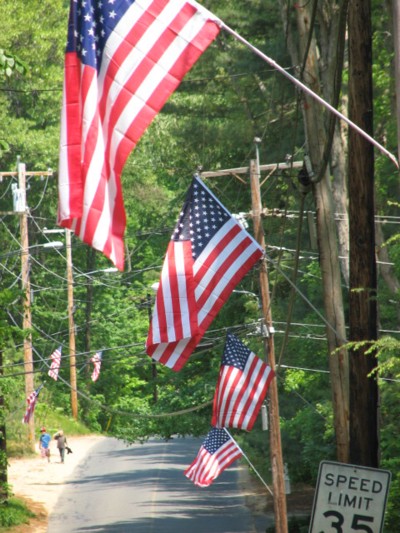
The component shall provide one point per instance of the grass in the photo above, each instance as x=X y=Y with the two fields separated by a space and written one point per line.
x=14 y=512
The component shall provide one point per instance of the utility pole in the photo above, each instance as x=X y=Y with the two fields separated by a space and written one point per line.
x=278 y=479
x=279 y=496
x=154 y=372
x=71 y=324
x=72 y=348
x=363 y=314
x=3 y=444
x=26 y=286
x=21 y=208
x=395 y=7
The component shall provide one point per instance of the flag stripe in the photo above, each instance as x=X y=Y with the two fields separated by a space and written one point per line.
x=240 y=389
x=149 y=47
x=96 y=360
x=216 y=259
x=208 y=466
x=174 y=316
x=55 y=363
x=31 y=404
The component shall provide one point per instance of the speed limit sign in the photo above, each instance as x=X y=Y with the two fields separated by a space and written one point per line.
x=349 y=498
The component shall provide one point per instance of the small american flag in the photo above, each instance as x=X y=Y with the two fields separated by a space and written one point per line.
x=96 y=360
x=242 y=385
x=124 y=58
x=208 y=255
x=55 y=363
x=217 y=452
x=31 y=403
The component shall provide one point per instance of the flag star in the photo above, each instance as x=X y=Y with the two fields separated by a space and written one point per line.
x=113 y=14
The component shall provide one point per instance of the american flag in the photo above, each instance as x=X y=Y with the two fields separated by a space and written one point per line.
x=217 y=452
x=30 y=404
x=124 y=58
x=209 y=253
x=96 y=360
x=242 y=385
x=55 y=363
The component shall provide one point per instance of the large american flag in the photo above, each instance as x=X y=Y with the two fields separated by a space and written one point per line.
x=30 y=405
x=123 y=60
x=55 y=363
x=242 y=385
x=209 y=253
x=96 y=360
x=217 y=452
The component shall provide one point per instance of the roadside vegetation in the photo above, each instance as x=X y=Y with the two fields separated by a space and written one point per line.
x=210 y=122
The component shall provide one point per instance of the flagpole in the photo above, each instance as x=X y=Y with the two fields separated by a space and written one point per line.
x=278 y=479
x=307 y=90
x=251 y=464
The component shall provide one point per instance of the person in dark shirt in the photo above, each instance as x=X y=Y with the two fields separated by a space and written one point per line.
x=61 y=443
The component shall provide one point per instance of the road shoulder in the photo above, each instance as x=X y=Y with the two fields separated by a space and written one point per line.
x=40 y=483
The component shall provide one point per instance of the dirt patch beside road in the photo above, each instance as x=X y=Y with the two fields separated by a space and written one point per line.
x=260 y=502
x=40 y=483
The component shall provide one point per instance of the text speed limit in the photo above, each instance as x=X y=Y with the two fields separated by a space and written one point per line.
x=349 y=498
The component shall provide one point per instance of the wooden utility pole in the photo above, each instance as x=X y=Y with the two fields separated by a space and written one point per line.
x=20 y=207
x=3 y=444
x=72 y=349
x=26 y=287
x=276 y=458
x=90 y=267
x=278 y=479
x=364 y=441
x=154 y=372
x=395 y=7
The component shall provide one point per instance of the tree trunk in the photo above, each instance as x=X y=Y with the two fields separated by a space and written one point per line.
x=332 y=18
x=327 y=239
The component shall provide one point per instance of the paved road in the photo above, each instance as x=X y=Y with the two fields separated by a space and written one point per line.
x=142 y=489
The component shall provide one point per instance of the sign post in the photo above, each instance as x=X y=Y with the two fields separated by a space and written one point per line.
x=349 y=498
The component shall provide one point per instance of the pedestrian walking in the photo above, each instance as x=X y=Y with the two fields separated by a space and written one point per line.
x=44 y=444
x=61 y=443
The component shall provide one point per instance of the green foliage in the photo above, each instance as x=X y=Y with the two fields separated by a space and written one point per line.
x=14 y=512
x=228 y=98
x=9 y=64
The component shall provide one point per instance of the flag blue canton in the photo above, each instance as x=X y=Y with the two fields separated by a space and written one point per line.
x=90 y=24
x=215 y=439
x=235 y=353
x=200 y=219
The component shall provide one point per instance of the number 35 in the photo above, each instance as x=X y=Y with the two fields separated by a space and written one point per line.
x=356 y=524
